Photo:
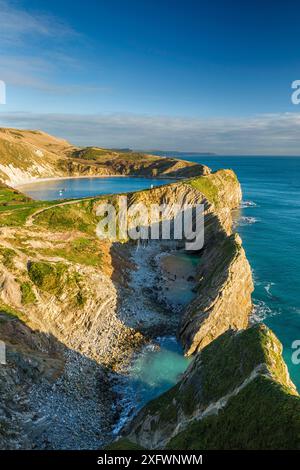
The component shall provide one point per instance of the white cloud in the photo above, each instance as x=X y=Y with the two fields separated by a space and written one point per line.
x=23 y=66
x=273 y=134
x=16 y=23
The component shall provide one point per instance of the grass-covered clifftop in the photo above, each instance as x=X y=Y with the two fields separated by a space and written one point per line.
x=222 y=188
x=235 y=395
x=15 y=207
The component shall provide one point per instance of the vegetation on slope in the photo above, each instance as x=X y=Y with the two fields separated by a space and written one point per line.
x=78 y=216
x=7 y=256
x=56 y=279
x=104 y=155
x=215 y=186
x=15 y=207
x=264 y=415
x=28 y=296
x=81 y=250
x=48 y=277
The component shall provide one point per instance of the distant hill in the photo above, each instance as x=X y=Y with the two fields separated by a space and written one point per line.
x=163 y=153
x=176 y=153
x=28 y=155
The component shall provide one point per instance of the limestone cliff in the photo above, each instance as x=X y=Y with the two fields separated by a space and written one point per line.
x=76 y=301
x=224 y=276
x=223 y=296
x=236 y=394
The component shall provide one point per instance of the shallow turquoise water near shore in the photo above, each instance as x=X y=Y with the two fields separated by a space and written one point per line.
x=156 y=370
x=160 y=364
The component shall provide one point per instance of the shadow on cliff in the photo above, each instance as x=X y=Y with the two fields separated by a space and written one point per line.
x=123 y=264
x=52 y=396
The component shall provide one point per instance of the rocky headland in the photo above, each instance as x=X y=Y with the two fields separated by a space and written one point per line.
x=74 y=310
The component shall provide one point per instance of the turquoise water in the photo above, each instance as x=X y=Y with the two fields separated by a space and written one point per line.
x=155 y=370
x=177 y=268
x=160 y=365
x=271 y=236
x=87 y=187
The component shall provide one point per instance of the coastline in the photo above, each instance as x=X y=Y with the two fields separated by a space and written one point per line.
x=19 y=185
x=113 y=326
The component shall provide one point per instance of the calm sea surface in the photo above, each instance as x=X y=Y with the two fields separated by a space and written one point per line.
x=85 y=187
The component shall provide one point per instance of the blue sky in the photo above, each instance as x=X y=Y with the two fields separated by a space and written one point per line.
x=182 y=75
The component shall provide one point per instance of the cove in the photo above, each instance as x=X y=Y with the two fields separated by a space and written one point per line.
x=159 y=365
x=71 y=188
x=157 y=368
x=153 y=371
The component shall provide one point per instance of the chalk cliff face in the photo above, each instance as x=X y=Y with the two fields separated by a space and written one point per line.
x=29 y=155
x=236 y=394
